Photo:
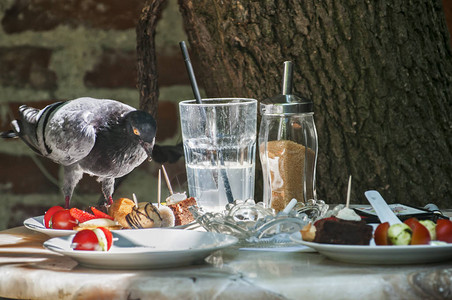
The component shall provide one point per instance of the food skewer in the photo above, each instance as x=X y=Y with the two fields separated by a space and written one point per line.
x=135 y=200
x=349 y=191
x=159 y=188
x=167 y=180
x=347 y=213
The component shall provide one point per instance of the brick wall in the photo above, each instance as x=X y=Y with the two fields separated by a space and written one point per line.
x=57 y=50
x=53 y=50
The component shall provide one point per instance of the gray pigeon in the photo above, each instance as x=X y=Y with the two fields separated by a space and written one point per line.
x=99 y=137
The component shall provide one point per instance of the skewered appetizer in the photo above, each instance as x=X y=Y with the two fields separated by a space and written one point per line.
x=76 y=219
x=414 y=232
x=131 y=215
x=126 y=213
x=345 y=228
x=98 y=239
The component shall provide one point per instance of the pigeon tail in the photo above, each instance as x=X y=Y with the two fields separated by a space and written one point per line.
x=8 y=134
x=19 y=131
x=29 y=114
x=25 y=128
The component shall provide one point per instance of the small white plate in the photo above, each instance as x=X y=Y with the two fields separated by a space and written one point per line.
x=147 y=248
x=387 y=255
x=37 y=224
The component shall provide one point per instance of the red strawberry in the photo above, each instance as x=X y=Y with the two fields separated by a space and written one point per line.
x=100 y=214
x=81 y=215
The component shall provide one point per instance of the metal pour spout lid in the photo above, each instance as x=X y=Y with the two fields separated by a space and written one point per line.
x=286 y=103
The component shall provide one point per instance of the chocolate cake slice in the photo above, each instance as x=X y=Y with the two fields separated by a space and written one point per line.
x=337 y=231
x=182 y=214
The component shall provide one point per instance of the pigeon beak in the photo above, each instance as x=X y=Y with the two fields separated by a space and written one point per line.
x=149 y=152
x=148 y=148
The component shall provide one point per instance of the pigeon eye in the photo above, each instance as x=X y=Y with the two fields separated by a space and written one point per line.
x=136 y=131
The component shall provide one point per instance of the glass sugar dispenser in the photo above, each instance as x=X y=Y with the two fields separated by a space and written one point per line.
x=288 y=149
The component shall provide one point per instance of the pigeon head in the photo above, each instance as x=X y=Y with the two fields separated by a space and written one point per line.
x=143 y=127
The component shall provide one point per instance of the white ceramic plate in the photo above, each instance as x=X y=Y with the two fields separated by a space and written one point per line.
x=415 y=254
x=37 y=224
x=147 y=248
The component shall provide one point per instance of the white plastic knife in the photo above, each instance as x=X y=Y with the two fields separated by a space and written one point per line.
x=384 y=212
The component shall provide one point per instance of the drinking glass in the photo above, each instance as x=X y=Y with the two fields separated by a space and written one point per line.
x=219 y=138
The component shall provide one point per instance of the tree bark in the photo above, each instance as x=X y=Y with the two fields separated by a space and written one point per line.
x=379 y=74
x=146 y=58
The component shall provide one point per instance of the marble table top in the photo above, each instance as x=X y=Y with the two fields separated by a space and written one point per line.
x=29 y=271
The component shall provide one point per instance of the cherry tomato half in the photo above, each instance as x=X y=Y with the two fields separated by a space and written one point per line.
x=63 y=220
x=421 y=235
x=108 y=236
x=85 y=240
x=381 y=234
x=98 y=239
x=444 y=230
x=50 y=213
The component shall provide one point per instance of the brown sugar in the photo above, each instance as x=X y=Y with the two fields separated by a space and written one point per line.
x=286 y=166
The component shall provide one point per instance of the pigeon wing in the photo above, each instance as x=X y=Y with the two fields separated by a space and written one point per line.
x=69 y=132
x=64 y=135
x=68 y=137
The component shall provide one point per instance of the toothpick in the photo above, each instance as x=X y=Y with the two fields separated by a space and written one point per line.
x=349 y=191
x=159 y=188
x=135 y=200
x=167 y=180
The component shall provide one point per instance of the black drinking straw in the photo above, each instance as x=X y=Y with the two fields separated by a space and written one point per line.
x=194 y=86
x=191 y=73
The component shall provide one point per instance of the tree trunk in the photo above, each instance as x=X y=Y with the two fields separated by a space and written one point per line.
x=379 y=74
x=146 y=58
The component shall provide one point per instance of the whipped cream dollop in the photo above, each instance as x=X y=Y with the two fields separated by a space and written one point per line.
x=176 y=198
x=168 y=219
x=348 y=214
